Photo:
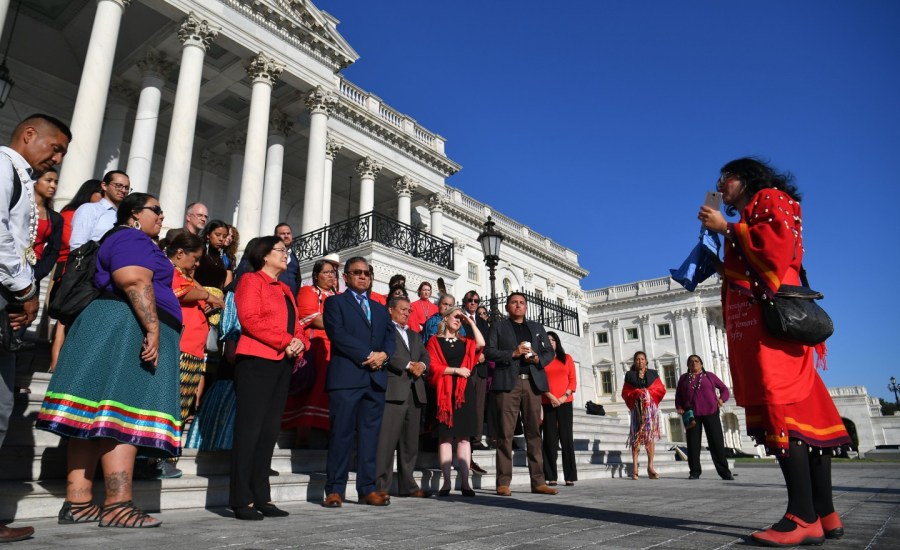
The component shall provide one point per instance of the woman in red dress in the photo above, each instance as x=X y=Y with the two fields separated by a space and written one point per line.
x=788 y=407
x=642 y=392
x=423 y=308
x=309 y=411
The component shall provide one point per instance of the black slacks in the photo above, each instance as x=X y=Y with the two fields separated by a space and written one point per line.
x=558 y=432
x=714 y=439
x=261 y=388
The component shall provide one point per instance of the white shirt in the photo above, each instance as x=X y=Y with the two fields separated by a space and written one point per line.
x=91 y=221
x=15 y=273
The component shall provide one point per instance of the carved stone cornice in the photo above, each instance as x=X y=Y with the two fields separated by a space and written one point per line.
x=459 y=245
x=332 y=148
x=404 y=186
x=320 y=100
x=156 y=64
x=263 y=68
x=196 y=32
x=237 y=143
x=436 y=202
x=368 y=168
x=279 y=123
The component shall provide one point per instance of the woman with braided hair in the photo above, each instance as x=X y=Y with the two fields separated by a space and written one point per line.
x=642 y=392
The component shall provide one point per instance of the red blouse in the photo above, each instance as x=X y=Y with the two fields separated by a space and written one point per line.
x=421 y=311
x=43 y=234
x=560 y=377
x=196 y=327
x=67 y=216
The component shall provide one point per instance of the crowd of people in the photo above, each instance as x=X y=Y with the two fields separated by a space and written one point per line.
x=346 y=368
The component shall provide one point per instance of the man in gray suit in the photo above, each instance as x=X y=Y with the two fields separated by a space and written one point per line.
x=519 y=350
x=404 y=402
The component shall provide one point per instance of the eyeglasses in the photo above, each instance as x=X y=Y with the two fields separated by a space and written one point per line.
x=120 y=186
x=357 y=273
x=155 y=209
x=473 y=300
x=332 y=272
x=204 y=216
x=282 y=250
x=725 y=178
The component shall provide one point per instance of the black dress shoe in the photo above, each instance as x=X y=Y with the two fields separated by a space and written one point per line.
x=468 y=493
x=444 y=493
x=247 y=513
x=693 y=476
x=271 y=511
x=728 y=477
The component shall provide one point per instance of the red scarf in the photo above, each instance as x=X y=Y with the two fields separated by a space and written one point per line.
x=447 y=399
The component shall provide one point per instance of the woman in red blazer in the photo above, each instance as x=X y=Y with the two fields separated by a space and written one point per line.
x=272 y=340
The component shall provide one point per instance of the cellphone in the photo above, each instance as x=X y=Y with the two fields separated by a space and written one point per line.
x=713 y=200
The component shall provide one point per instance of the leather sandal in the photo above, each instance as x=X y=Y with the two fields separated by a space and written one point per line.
x=127 y=515
x=803 y=535
x=652 y=474
x=78 y=512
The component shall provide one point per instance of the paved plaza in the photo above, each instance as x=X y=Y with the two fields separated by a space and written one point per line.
x=609 y=513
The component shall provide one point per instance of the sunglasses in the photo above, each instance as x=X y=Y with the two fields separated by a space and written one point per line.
x=357 y=273
x=473 y=300
x=155 y=209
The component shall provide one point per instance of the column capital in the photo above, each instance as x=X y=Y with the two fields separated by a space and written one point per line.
x=211 y=160
x=121 y=92
x=645 y=319
x=320 y=100
x=263 y=68
x=528 y=275
x=237 y=143
x=459 y=245
x=697 y=312
x=368 y=168
x=279 y=123
x=332 y=148
x=436 y=202
x=404 y=186
x=196 y=32
x=121 y=3
x=613 y=324
x=551 y=286
x=155 y=63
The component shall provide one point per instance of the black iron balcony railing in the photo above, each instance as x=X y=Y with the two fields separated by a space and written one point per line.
x=552 y=315
x=377 y=228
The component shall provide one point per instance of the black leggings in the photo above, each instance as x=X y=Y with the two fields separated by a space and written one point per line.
x=807 y=474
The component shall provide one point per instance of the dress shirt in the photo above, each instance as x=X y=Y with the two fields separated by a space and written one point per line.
x=91 y=221
x=15 y=273
x=403 y=334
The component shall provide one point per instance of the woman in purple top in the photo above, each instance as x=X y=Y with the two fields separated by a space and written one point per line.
x=697 y=391
x=116 y=385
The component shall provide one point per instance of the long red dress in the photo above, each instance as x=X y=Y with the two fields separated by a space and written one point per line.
x=311 y=409
x=775 y=381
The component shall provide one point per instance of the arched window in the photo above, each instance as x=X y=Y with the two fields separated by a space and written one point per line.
x=507 y=286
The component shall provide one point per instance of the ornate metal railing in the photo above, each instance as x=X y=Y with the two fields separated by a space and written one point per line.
x=552 y=315
x=378 y=228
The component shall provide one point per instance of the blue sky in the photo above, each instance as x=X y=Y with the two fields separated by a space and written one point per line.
x=602 y=124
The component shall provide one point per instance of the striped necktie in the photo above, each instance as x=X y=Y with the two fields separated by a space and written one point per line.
x=365 y=305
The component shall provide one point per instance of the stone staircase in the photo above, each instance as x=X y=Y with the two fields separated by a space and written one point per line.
x=33 y=465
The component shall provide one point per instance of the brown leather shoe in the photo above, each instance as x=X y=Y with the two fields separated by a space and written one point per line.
x=333 y=500
x=477 y=469
x=544 y=490
x=419 y=493
x=12 y=534
x=503 y=491
x=384 y=494
x=375 y=499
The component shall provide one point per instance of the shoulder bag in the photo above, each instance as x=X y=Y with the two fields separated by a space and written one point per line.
x=793 y=315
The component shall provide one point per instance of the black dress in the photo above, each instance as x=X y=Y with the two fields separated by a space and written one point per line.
x=465 y=418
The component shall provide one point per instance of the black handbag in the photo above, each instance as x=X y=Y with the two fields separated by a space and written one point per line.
x=595 y=408
x=794 y=316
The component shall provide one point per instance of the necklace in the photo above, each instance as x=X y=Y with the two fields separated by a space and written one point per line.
x=450 y=341
x=30 y=256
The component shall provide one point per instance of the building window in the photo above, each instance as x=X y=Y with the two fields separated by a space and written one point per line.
x=631 y=334
x=539 y=293
x=663 y=330
x=601 y=338
x=560 y=301
x=507 y=287
x=606 y=383
x=473 y=272
x=671 y=377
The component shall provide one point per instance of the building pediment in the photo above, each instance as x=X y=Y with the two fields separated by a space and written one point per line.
x=300 y=21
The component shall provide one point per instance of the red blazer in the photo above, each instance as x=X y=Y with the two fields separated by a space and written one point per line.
x=263 y=314
x=560 y=377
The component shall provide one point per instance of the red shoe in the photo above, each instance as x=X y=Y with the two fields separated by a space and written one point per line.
x=805 y=534
x=832 y=526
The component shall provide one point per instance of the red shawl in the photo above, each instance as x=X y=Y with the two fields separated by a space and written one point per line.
x=631 y=393
x=447 y=399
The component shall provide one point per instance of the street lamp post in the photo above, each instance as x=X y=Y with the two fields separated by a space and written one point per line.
x=895 y=389
x=490 y=240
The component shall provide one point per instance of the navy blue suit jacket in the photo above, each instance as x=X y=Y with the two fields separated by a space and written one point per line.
x=353 y=338
x=291 y=276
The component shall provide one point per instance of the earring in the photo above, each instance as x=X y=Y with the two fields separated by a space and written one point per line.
x=136 y=225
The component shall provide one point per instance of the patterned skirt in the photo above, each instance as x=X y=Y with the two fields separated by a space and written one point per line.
x=192 y=369
x=213 y=425
x=102 y=389
x=644 y=423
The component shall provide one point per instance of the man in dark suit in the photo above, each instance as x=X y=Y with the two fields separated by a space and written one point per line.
x=362 y=342
x=404 y=401
x=520 y=350
x=291 y=276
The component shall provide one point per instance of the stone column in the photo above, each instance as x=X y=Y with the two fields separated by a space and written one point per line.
x=90 y=103
x=404 y=186
x=263 y=71
x=196 y=35
x=436 y=208
x=279 y=126
x=4 y=9
x=155 y=69
x=367 y=169
x=236 y=145
x=332 y=148
x=110 y=149
x=321 y=104
x=700 y=340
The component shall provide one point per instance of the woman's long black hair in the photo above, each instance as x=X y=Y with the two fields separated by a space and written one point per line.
x=756 y=174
